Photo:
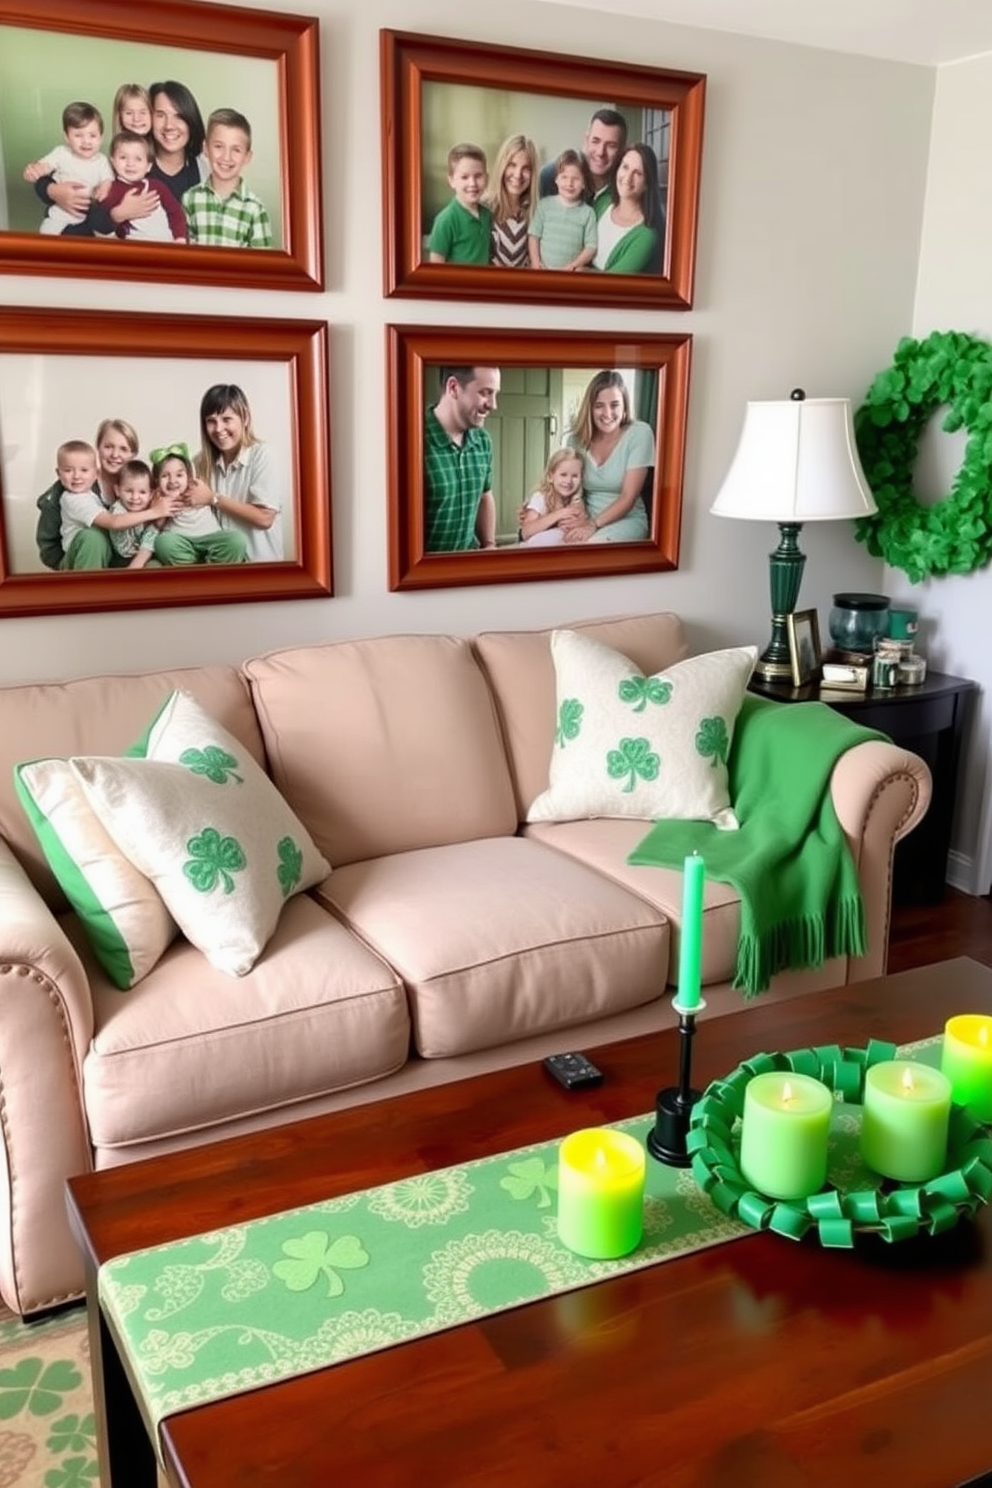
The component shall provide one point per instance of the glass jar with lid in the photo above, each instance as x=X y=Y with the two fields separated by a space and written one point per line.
x=856 y=620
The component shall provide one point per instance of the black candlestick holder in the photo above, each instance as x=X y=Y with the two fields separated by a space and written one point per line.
x=673 y=1105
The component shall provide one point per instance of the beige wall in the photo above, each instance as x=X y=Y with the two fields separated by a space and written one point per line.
x=955 y=293
x=814 y=172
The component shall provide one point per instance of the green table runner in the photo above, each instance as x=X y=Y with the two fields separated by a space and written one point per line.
x=245 y=1306
x=252 y=1304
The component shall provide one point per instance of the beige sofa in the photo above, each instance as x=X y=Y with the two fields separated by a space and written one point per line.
x=447 y=939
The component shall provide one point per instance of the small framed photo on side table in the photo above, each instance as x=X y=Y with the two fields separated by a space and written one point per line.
x=804 y=646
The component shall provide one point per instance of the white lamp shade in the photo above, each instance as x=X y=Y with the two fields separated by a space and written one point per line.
x=796 y=462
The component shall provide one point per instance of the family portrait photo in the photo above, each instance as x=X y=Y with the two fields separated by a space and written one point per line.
x=150 y=148
x=530 y=177
x=538 y=455
x=135 y=465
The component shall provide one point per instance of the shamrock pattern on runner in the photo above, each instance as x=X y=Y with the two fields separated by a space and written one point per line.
x=315 y=1254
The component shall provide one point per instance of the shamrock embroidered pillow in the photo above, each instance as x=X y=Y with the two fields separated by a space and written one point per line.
x=121 y=912
x=204 y=822
x=646 y=747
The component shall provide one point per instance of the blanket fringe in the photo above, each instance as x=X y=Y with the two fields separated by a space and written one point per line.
x=800 y=944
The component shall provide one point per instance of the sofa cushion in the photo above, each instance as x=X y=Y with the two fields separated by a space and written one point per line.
x=649 y=747
x=208 y=827
x=100 y=715
x=604 y=845
x=384 y=745
x=501 y=939
x=121 y=911
x=521 y=674
x=190 y=1048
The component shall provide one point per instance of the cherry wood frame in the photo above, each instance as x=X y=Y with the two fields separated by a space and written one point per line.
x=303 y=346
x=410 y=350
x=407 y=61
x=291 y=43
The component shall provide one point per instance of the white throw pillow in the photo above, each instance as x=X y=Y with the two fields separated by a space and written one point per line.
x=647 y=747
x=204 y=822
x=120 y=910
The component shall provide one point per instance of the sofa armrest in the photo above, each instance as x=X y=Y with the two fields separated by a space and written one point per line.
x=879 y=792
x=46 y=1023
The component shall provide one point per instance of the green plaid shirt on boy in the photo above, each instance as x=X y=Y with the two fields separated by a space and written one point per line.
x=235 y=221
x=455 y=476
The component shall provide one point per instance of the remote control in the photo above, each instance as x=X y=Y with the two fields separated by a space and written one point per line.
x=574 y=1071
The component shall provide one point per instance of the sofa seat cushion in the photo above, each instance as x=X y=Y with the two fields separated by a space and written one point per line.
x=189 y=1047
x=604 y=845
x=500 y=939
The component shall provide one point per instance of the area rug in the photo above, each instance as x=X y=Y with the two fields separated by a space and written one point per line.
x=47 y=1427
x=47 y=1430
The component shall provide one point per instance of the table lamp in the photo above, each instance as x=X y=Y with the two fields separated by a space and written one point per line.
x=796 y=462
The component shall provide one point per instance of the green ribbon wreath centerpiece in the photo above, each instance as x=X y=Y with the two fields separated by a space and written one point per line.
x=954 y=536
x=855 y=1200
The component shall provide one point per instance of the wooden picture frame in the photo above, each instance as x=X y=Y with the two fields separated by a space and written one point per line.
x=63 y=372
x=543 y=376
x=261 y=63
x=805 y=655
x=437 y=92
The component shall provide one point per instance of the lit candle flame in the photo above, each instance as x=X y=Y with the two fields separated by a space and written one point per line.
x=600 y=1159
x=786 y=1093
x=907 y=1082
x=983 y=1034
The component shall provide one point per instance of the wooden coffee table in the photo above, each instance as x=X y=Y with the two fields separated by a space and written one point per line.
x=758 y=1362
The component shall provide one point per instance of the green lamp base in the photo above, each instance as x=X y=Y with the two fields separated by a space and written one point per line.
x=785 y=572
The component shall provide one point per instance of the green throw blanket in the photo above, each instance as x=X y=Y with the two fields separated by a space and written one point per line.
x=789 y=861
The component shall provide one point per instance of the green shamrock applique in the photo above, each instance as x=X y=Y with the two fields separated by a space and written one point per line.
x=213 y=762
x=290 y=869
x=713 y=739
x=531 y=1177
x=570 y=712
x=314 y=1255
x=632 y=758
x=639 y=691
x=213 y=859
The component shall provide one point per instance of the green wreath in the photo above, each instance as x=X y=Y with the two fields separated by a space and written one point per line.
x=955 y=535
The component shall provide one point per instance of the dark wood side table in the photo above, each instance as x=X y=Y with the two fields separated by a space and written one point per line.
x=929 y=720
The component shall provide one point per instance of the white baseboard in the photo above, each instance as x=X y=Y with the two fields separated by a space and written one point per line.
x=961 y=872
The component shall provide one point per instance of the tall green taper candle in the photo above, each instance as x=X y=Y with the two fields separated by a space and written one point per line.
x=691 y=933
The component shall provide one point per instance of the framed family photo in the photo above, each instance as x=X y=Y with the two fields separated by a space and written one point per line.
x=174 y=141
x=519 y=455
x=511 y=174
x=149 y=461
x=805 y=658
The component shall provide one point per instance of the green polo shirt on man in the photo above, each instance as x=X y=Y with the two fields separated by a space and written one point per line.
x=455 y=477
x=459 y=236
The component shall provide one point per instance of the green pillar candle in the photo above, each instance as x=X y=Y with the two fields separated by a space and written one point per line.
x=966 y=1060
x=784 y=1134
x=600 y=1193
x=904 y=1122
x=691 y=934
